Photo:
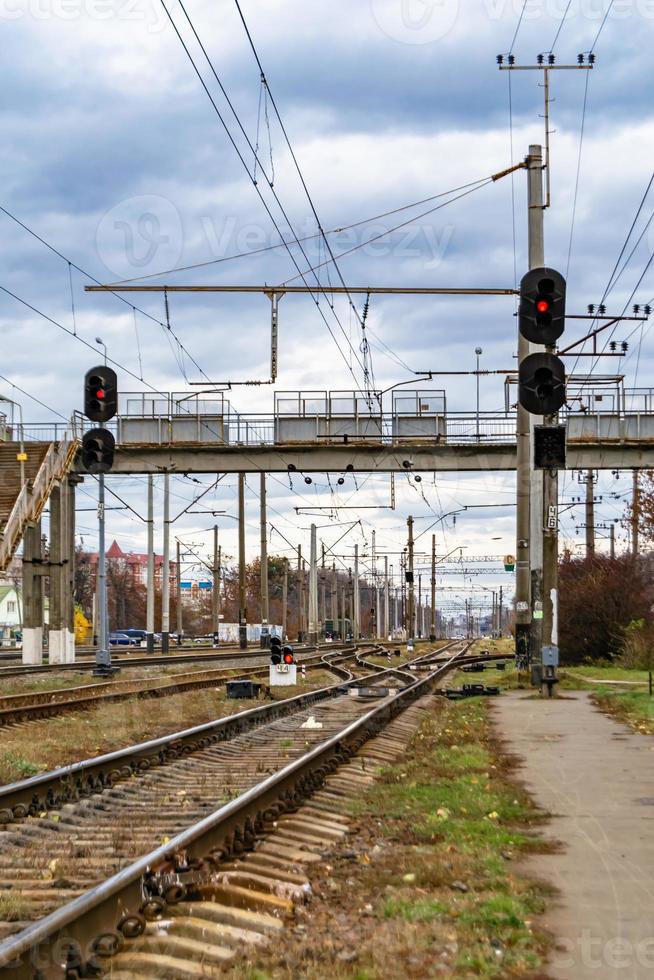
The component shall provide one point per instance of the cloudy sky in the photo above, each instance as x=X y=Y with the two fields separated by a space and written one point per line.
x=113 y=154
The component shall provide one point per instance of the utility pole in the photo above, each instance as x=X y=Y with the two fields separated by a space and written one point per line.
x=356 y=617
x=343 y=629
x=149 y=614
x=215 y=594
x=537 y=479
x=378 y=609
x=178 y=584
x=103 y=665
x=334 y=598
x=432 y=628
x=409 y=581
x=284 y=600
x=500 y=611
x=263 y=561
x=387 y=621
x=529 y=503
x=165 y=571
x=313 y=588
x=242 y=594
x=590 y=514
x=612 y=540
x=300 y=611
x=635 y=516
x=419 y=617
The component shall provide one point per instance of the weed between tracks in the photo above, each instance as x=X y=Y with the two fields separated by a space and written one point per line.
x=39 y=746
x=426 y=887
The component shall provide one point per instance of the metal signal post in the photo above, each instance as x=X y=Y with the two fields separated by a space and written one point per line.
x=100 y=405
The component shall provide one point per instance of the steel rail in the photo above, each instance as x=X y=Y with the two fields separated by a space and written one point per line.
x=49 y=790
x=45 y=704
x=160 y=661
x=75 y=933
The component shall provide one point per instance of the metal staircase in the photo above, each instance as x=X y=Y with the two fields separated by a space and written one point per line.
x=46 y=464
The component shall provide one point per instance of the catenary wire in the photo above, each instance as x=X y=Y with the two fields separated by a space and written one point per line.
x=318 y=288
x=305 y=238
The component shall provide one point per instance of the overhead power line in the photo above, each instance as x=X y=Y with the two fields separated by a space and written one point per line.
x=65 y=258
x=318 y=288
x=367 y=362
x=305 y=238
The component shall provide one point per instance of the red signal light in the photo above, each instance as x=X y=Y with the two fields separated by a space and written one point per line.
x=542 y=306
x=99 y=393
x=288 y=658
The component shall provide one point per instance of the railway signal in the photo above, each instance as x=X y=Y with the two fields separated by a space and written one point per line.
x=541 y=313
x=541 y=383
x=275 y=650
x=541 y=319
x=98 y=446
x=100 y=393
x=283 y=669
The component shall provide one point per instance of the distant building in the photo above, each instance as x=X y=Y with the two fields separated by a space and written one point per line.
x=10 y=607
x=137 y=563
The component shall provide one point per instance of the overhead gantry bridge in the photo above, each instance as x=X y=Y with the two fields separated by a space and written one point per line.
x=341 y=431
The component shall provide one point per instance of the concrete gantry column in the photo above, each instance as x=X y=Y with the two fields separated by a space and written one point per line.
x=32 y=595
x=57 y=627
x=69 y=570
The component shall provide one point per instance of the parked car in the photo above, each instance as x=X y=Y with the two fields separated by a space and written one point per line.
x=136 y=635
x=121 y=640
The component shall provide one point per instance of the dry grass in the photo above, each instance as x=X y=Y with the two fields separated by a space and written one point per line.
x=39 y=746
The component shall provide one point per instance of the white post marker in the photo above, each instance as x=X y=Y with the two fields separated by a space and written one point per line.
x=283 y=675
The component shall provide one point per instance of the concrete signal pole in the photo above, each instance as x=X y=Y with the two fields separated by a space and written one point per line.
x=410 y=618
x=284 y=600
x=635 y=516
x=178 y=584
x=356 y=614
x=263 y=559
x=536 y=479
x=149 y=614
x=215 y=592
x=165 y=571
x=590 y=514
x=387 y=619
x=432 y=628
x=313 y=588
x=242 y=585
x=300 y=590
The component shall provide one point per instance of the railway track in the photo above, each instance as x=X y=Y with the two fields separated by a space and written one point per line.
x=164 y=660
x=22 y=708
x=76 y=863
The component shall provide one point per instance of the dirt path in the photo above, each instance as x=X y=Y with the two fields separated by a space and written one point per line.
x=596 y=777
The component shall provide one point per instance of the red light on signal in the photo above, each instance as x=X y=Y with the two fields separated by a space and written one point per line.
x=288 y=658
x=99 y=393
x=542 y=306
